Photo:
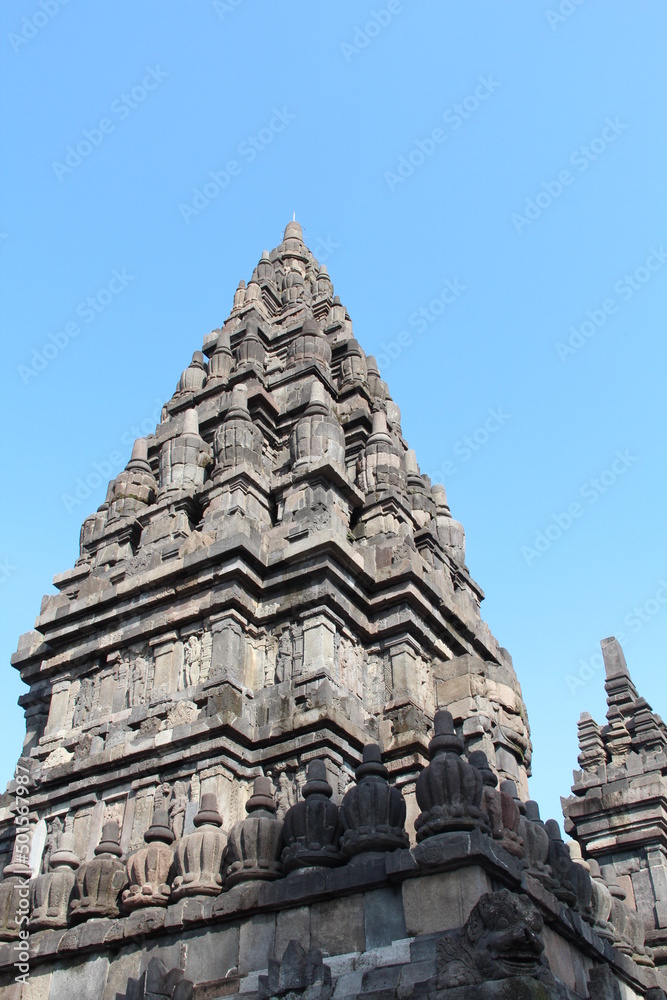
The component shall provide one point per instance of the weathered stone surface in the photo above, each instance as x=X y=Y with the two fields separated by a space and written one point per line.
x=372 y=814
x=616 y=811
x=82 y=978
x=501 y=939
x=291 y=924
x=384 y=919
x=256 y=943
x=255 y=844
x=449 y=789
x=211 y=956
x=311 y=828
x=270 y=585
x=149 y=868
x=338 y=926
x=443 y=901
x=198 y=855
x=50 y=892
x=100 y=882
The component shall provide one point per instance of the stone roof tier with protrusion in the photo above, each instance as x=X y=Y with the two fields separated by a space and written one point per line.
x=271 y=562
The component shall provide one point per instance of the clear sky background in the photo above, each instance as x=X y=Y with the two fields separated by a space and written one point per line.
x=329 y=110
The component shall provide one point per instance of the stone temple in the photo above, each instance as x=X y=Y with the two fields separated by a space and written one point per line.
x=273 y=750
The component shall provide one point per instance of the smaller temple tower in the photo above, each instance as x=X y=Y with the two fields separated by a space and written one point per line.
x=618 y=809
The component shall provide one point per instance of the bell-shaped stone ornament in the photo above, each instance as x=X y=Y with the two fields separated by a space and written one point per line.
x=198 y=855
x=450 y=532
x=601 y=903
x=51 y=892
x=310 y=345
x=372 y=812
x=318 y=436
x=135 y=488
x=253 y=295
x=311 y=828
x=561 y=865
x=255 y=843
x=377 y=387
x=237 y=440
x=293 y=287
x=194 y=376
x=582 y=881
x=380 y=466
x=100 y=882
x=222 y=359
x=337 y=315
x=14 y=899
x=239 y=296
x=324 y=283
x=250 y=350
x=449 y=791
x=535 y=839
x=148 y=868
x=265 y=269
x=627 y=924
x=185 y=457
x=352 y=366
x=502 y=812
x=511 y=818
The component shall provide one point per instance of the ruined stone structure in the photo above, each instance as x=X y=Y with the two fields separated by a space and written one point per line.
x=272 y=749
x=618 y=809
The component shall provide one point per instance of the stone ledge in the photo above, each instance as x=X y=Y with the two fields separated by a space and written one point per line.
x=319 y=886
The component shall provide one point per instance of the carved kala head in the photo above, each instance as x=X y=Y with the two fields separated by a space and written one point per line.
x=504 y=930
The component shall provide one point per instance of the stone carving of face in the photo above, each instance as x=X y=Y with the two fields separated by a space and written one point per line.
x=504 y=929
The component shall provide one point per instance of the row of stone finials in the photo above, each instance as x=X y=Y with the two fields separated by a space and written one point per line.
x=454 y=792
x=185 y=458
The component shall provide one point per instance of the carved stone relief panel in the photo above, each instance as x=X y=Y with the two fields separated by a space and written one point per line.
x=84 y=692
x=54 y=827
x=60 y=698
x=140 y=676
x=287 y=789
x=177 y=806
x=192 y=661
x=143 y=805
x=228 y=651
x=287 y=654
x=351 y=666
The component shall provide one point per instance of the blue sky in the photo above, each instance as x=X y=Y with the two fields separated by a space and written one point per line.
x=485 y=182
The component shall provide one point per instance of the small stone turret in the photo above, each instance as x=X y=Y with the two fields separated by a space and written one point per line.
x=372 y=812
x=255 y=844
x=194 y=376
x=501 y=811
x=222 y=359
x=318 y=437
x=238 y=440
x=311 y=828
x=14 y=898
x=449 y=790
x=198 y=855
x=184 y=458
x=100 y=882
x=311 y=345
x=450 y=532
x=380 y=467
x=250 y=351
x=148 y=868
x=265 y=271
x=535 y=840
x=135 y=488
x=352 y=366
x=50 y=893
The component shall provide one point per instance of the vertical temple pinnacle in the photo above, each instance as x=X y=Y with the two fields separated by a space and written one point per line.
x=621 y=692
